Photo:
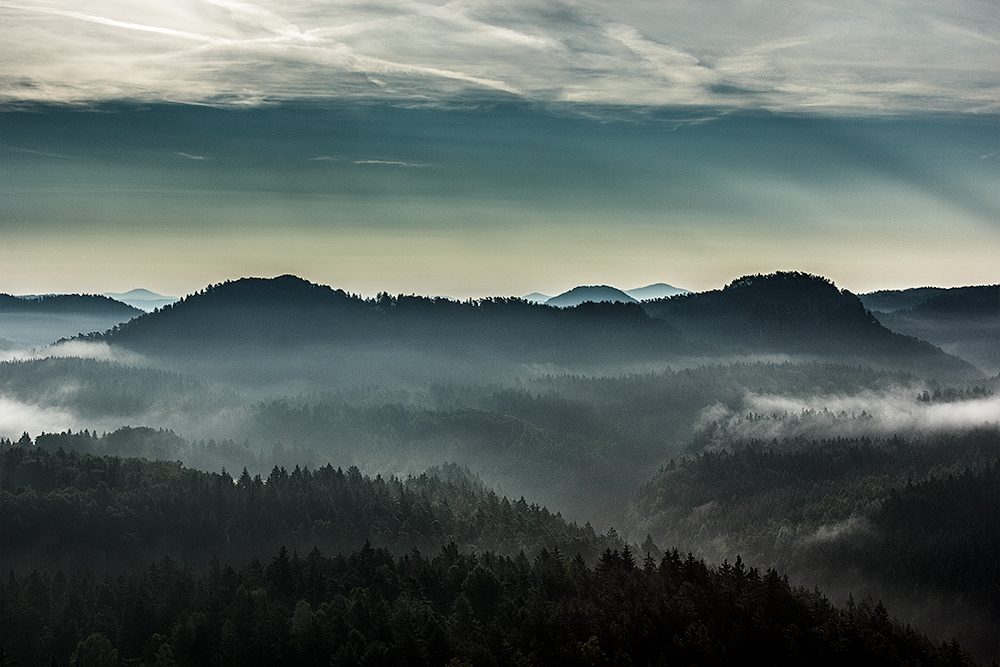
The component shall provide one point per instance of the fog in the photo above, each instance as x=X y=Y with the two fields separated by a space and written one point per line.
x=74 y=349
x=17 y=418
x=26 y=331
x=867 y=413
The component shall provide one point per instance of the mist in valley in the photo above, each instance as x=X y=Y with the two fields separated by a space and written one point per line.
x=615 y=442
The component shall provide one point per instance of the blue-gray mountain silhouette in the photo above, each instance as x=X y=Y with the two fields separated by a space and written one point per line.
x=592 y=293
x=142 y=299
x=656 y=291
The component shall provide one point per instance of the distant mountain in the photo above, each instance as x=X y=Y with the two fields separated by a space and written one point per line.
x=657 y=291
x=593 y=293
x=536 y=297
x=143 y=299
x=964 y=321
x=91 y=304
x=887 y=301
x=798 y=313
x=981 y=301
x=36 y=321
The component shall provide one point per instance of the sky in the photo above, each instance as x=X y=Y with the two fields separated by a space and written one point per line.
x=497 y=148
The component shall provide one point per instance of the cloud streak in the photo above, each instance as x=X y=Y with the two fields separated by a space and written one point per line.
x=869 y=57
x=394 y=163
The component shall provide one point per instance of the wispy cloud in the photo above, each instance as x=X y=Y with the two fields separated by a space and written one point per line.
x=192 y=157
x=874 y=56
x=395 y=163
x=34 y=152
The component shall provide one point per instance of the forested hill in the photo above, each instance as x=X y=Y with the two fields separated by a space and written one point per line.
x=287 y=311
x=76 y=304
x=787 y=313
x=61 y=507
x=962 y=320
x=791 y=312
x=982 y=300
x=298 y=603
x=911 y=521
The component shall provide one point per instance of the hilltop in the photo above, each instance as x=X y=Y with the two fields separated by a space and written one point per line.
x=799 y=313
x=288 y=312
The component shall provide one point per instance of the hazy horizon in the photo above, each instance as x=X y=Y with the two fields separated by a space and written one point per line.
x=497 y=149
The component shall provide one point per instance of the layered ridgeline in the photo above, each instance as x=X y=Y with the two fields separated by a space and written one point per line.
x=90 y=304
x=27 y=322
x=264 y=323
x=547 y=604
x=799 y=314
x=579 y=443
x=288 y=312
x=964 y=321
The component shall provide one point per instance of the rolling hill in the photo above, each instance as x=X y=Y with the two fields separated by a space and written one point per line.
x=800 y=314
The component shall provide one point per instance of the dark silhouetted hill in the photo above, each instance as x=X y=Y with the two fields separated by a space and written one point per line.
x=799 y=313
x=981 y=301
x=288 y=312
x=964 y=321
x=27 y=322
x=887 y=301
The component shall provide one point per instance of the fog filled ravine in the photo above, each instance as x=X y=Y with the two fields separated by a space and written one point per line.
x=271 y=470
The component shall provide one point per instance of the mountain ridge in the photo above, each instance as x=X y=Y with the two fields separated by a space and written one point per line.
x=796 y=312
x=784 y=312
x=288 y=311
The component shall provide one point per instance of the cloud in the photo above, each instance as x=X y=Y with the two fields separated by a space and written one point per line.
x=395 y=163
x=192 y=157
x=42 y=153
x=878 y=56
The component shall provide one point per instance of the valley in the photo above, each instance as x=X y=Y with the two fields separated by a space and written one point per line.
x=777 y=422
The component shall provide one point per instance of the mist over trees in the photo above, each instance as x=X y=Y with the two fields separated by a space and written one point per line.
x=503 y=481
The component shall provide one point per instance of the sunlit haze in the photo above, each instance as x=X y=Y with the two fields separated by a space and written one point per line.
x=473 y=149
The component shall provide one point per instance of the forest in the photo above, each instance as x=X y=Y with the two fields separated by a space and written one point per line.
x=454 y=606
x=279 y=469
